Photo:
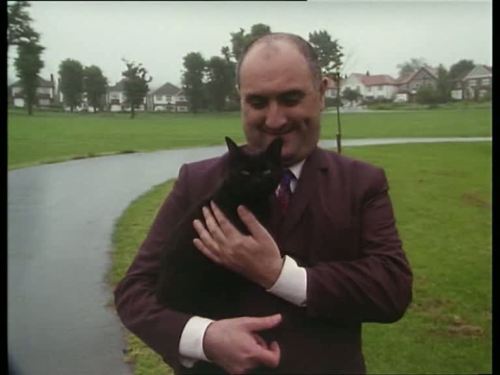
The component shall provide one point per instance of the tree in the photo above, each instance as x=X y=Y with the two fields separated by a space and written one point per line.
x=71 y=84
x=330 y=59
x=192 y=80
x=350 y=94
x=219 y=82
x=240 y=39
x=135 y=85
x=94 y=85
x=409 y=67
x=28 y=62
x=443 y=86
x=19 y=29
x=328 y=51
x=427 y=94
x=460 y=69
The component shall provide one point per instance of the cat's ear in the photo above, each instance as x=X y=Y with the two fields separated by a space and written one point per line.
x=232 y=147
x=274 y=148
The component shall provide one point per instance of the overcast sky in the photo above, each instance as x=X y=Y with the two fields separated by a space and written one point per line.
x=376 y=36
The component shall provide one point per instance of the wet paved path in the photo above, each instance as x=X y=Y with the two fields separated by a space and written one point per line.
x=60 y=220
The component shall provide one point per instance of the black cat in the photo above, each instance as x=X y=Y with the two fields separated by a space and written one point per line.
x=189 y=281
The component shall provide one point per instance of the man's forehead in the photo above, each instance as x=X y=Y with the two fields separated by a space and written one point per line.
x=268 y=49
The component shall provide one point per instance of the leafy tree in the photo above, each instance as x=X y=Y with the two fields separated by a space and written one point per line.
x=94 y=85
x=135 y=85
x=409 y=67
x=19 y=29
x=71 y=73
x=350 y=94
x=192 y=80
x=460 y=68
x=219 y=82
x=328 y=51
x=330 y=59
x=443 y=86
x=240 y=39
x=426 y=94
x=28 y=64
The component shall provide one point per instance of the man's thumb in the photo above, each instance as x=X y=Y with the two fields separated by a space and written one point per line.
x=263 y=323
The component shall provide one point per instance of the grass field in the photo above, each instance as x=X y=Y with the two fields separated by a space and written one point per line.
x=52 y=137
x=442 y=199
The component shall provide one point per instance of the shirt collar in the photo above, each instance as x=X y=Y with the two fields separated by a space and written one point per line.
x=296 y=169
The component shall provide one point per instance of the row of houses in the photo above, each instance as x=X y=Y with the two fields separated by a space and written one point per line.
x=474 y=85
x=168 y=98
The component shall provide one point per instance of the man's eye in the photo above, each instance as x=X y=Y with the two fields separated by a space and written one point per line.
x=257 y=103
x=291 y=100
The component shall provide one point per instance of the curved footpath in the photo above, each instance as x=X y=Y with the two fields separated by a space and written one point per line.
x=60 y=221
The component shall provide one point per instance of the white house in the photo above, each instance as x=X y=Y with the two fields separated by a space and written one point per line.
x=168 y=98
x=372 y=87
x=45 y=93
x=117 y=100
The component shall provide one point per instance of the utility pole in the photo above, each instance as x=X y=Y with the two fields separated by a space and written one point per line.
x=339 y=128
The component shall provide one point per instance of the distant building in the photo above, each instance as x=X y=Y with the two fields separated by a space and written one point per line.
x=408 y=86
x=168 y=98
x=372 y=87
x=116 y=99
x=45 y=93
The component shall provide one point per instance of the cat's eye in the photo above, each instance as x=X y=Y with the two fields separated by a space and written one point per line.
x=244 y=172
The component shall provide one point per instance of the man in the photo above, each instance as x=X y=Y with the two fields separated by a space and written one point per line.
x=331 y=261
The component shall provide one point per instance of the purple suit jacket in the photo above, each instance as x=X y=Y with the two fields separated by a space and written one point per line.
x=340 y=226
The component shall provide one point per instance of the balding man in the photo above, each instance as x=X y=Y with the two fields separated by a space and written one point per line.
x=333 y=261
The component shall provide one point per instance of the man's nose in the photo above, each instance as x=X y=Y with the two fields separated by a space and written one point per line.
x=275 y=116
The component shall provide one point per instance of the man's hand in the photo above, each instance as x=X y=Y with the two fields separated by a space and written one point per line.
x=234 y=345
x=255 y=256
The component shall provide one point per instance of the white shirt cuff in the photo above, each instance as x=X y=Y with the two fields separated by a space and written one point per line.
x=191 y=342
x=292 y=283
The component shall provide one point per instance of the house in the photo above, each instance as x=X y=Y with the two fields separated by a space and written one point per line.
x=45 y=93
x=372 y=87
x=477 y=83
x=408 y=86
x=117 y=100
x=168 y=98
x=331 y=88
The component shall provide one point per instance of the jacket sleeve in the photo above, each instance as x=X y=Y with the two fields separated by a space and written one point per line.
x=375 y=287
x=159 y=327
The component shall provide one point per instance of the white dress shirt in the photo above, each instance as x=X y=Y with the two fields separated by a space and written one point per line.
x=291 y=285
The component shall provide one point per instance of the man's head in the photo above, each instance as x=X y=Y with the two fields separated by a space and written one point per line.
x=282 y=94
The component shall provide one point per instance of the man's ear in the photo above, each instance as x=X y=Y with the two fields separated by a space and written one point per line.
x=232 y=147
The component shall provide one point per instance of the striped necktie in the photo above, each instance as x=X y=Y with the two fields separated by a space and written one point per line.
x=284 y=190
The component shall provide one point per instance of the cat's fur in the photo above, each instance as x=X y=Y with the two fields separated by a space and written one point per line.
x=188 y=280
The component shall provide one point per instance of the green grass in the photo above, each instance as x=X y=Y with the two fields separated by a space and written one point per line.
x=441 y=195
x=52 y=137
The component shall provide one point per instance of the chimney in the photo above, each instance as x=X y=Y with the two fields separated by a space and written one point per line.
x=367 y=72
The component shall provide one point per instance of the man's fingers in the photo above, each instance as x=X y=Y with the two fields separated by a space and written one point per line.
x=205 y=243
x=248 y=218
x=209 y=254
x=213 y=226
x=225 y=225
x=270 y=357
x=262 y=323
